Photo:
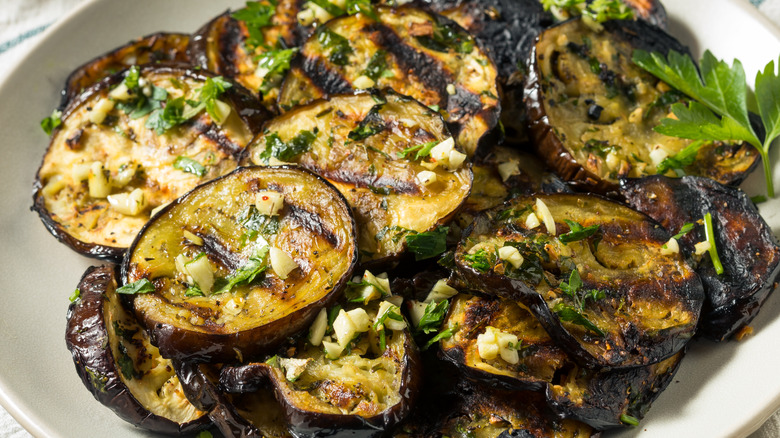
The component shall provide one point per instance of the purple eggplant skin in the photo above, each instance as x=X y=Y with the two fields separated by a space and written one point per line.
x=629 y=242
x=748 y=250
x=86 y=336
x=246 y=106
x=150 y=49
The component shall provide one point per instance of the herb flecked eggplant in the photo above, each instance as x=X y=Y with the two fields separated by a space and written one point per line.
x=415 y=53
x=598 y=398
x=118 y=364
x=391 y=157
x=239 y=264
x=119 y=153
x=592 y=110
x=253 y=45
x=364 y=392
x=747 y=249
x=151 y=49
x=594 y=272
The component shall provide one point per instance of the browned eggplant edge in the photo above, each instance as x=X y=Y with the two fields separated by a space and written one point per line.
x=86 y=336
x=248 y=108
x=638 y=34
x=492 y=284
x=306 y=423
x=178 y=344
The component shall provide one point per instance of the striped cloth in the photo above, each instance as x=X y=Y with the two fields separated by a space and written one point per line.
x=21 y=23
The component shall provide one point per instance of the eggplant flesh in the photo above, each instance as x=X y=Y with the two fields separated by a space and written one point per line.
x=592 y=110
x=105 y=170
x=364 y=392
x=609 y=296
x=152 y=49
x=747 y=248
x=234 y=304
x=253 y=57
x=360 y=144
x=118 y=364
x=596 y=397
x=413 y=52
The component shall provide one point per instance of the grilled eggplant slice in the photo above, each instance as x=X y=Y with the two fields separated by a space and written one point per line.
x=256 y=56
x=216 y=297
x=413 y=52
x=364 y=392
x=119 y=365
x=592 y=110
x=107 y=168
x=151 y=49
x=594 y=272
x=745 y=244
x=367 y=145
x=598 y=398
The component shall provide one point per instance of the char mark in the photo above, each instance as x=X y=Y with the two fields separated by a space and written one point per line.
x=312 y=222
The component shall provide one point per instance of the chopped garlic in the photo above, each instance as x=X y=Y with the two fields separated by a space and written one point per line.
x=532 y=221
x=702 y=247
x=444 y=153
x=441 y=291
x=54 y=185
x=98 y=181
x=511 y=255
x=657 y=155
x=613 y=161
x=670 y=247
x=360 y=319
x=293 y=368
x=344 y=328
x=487 y=345
x=123 y=177
x=269 y=202
x=363 y=82
x=221 y=112
x=508 y=169
x=332 y=349
x=494 y=342
x=416 y=312
x=547 y=217
x=233 y=306
x=193 y=238
x=455 y=160
x=451 y=89
x=100 y=110
x=281 y=263
x=426 y=177
x=129 y=204
x=121 y=93
x=318 y=328
x=158 y=209
x=80 y=172
x=385 y=307
x=202 y=273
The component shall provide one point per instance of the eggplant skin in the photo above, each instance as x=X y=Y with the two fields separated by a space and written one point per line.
x=747 y=248
x=152 y=49
x=87 y=338
x=91 y=226
x=592 y=114
x=651 y=302
x=314 y=227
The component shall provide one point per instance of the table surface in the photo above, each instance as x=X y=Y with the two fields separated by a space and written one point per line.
x=22 y=22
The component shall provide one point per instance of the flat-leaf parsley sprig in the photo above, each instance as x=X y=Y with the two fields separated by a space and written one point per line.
x=718 y=111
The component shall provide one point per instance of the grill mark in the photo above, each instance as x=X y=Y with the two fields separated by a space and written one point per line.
x=214 y=247
x=229 y=40
x=363 y=180
x=311 y=221
x=212 y=132
x=327 y=80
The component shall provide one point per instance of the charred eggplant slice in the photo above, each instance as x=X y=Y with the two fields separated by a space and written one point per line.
x=391 y=157
x=133 y=143
x=239 y=264
x=594 y=272
x=119 y=365
x=598 y=398
x=357 y=381
x=744 y=242
x=151 y=49
x=413 y=52
x=592 y=110
x=252 y=45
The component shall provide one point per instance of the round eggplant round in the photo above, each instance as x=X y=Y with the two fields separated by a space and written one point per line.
x=594 y=272
x=388 y=156
x=256 y=56
x=362 y=391
x=151 y=49
x=133 y=143
x=118 y=364
x=599 y=398
x=415 y=53
x=239 y=264
x=592 y=110
x=746 y=246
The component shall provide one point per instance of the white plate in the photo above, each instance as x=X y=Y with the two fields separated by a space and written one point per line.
x=721 y=390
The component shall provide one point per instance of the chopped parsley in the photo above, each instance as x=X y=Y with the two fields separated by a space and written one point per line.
x=573 y=289
x=49 y=124
x=142 y=286
x=125 y=362
x=377 y=66
x=481 y=260
x=75 y=295
x=685 y=229
x=275 y=64
x=680 y=160
x=189 y=165
x=428 y=244
x=338 y=45
x=423 y=150
x=361 y=6
x=392 y=312
x=446 y=37
x=372 y=124
x=256 y=16
x=250 y=270
x=577 y=232
x=275 y=147
x=444 y=334
x=433 y=317
x=570 y=314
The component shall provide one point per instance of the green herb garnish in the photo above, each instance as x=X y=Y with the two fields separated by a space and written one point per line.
x=275 y=147
x=371 y=124
x=75 y=295
x=433 y=317
x=481 y=260
x=363 y=7
x=598 y=10
x=189 y=165
x=275 y=63
x=685 y=229
x=680 y=160
x=49 y=124
x=338 y=45
x=247 y=273
x=377 y=66
x=427 y=244
x=256 y=16
x=577 y=232
x=628 y=419
x=444 y=334
x=447 y=37
x=142 y=286
x=570 y=314
x=423 y=150
x=709 y=232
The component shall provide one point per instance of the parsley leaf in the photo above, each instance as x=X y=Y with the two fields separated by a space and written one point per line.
x=377 y=65
x=274 y=63
x=338 y=45
x=573 y=289
x=445 y=37
x=709 y=232
x=142 y=286
x=189 y=165
x=49 y=124
x=570 y=314
x=719 y=110
x=598 y=10
x=161 y=120
x=428 y=244
x=256 y=16
x=685 y=229
x=275 y=147
x=433 y=317
x=444 y=334
x=329 y=7
x=372 y=124
x=210 y=92
x=681 y=159
x=481 y=260
x=423 y=150
x=247 y=273
x=577 y=232
x=361 y=6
